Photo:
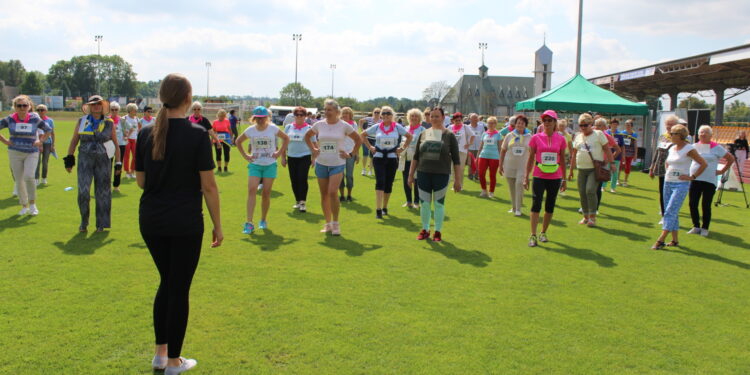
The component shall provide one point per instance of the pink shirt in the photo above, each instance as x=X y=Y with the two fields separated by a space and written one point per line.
x=548 y=149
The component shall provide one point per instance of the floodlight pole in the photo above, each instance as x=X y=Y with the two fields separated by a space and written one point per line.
x=98 y=40
x=208 y=67
x=333 y=69
x=296 y=38
x=580 y=26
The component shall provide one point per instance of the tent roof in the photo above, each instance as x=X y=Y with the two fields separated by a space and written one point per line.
x=579 y=95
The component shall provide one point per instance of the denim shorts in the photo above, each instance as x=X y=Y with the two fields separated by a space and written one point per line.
x=322 y=171
x=262 y=171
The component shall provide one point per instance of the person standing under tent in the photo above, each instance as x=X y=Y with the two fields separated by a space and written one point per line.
x=630 y=150
x=262 y=168
x=348 y=180
x=436 y=155
x=547 y=151
x=330 y=160
x=677 y=182
x=23 y=150
x=223 y=129
x=298 y=157
x=97 y=138
x=174 y=168
x=514 y=156
x=385 y=151
x=414 y=116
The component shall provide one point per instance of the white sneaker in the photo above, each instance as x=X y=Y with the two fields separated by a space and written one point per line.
x=296 y=205
x=363 y=172
x=369 y=173
x=159 y=363
x=661 y=221
x=36 y=182
x=44 y=181
x=694 y=231
x=23 y=211
x=612 y=191
x=302 y=206
x=704 y=232
x=483 y=194
x=511 y=210
x=491 y=195
x=186 y=364
x=33 y=211
x=15 y=191
x=517 y=213
x=580 y=210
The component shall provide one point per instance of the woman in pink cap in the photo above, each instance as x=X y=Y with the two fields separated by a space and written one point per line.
x=548 y=150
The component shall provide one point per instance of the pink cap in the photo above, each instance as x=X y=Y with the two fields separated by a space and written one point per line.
x=550 y=113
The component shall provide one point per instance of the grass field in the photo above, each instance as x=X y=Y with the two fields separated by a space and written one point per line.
x=376 y=301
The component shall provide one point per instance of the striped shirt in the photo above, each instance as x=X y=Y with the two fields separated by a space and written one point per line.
x=23 y=132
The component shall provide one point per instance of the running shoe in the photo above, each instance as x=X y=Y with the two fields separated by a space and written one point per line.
x=33 y=211
x=341 y=198
x=543 y=237
x=249 y=228
x=661 y=221
x=624 y=183
x=326 y=228
x=44 y=181
x=407 y=204
x=704 y=232
x=583 y=221
x=226 y=169
x=511 y=210
x=532 y=241
x=385 y=211
x=159 y=363
x=24 y=211
x=518 y=213
x=437 y=237
x=423 y=235
x=302 y=206
x=695 y=231
x=363 y=172
x=349 y=198
x=263 y=224
x=483 y=194
x=296 y=205
x=490 y=195
x=185 y=365
x=612 y=191
x=335 y=229
x=378 y=214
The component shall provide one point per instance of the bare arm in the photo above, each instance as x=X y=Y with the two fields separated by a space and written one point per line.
x=698 y=159
x=730 y=160
x=529 y=166
x=74 y=139
x=241 y=139
x=211 y=196
x=573 y=156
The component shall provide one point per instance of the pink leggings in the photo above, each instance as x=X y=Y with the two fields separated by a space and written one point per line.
x=492 y=164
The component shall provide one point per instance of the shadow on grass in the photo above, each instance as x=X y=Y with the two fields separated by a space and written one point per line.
x=15 y=221
x=306 y=216
x=80 y=245
x=715 y=257
x=138 y=245
x=623 y=233
x=356 y=207
x=118 y=195
x=8 y=202
x=583 y=254
x=475 y=258
x=407 y=224
x=642 y=224
x=715 y=220
x=266 y=240
x=623 y=208
x=728 y=239
x=631 y=195
x=350 y=247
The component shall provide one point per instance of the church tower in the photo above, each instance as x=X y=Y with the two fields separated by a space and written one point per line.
x=542 y=69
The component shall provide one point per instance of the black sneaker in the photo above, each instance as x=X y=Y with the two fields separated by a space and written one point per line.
x=349 y=198
x=341 y=198
x=385 y=211
x=379 y=214
x=226 y=169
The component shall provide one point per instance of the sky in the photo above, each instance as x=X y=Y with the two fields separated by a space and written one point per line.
x=380 y=48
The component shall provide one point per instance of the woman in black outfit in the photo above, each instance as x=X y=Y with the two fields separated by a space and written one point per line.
x=174 y=167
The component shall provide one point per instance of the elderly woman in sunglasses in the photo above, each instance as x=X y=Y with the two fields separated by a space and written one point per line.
x=23 y=150
x=588 y=145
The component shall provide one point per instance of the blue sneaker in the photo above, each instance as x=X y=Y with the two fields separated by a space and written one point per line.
x=249 y=228
x=263 y=224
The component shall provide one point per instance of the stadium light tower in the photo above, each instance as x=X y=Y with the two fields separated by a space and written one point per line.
x=333 y=68
x=98 y=40
x=296 y=38
x=208 y=67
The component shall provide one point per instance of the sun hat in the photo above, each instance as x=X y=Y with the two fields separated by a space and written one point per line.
x=550 y=113
x=260 y=111
x=95 y=99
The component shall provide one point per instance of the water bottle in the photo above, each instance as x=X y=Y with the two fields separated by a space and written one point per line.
x=69 y=188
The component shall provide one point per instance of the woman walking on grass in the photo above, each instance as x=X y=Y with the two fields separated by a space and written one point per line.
x=174 y=168
x=262 y=168
x=48 y=145
x=298 y=157
x=348 y=180
x=489 y=156
x=223 y=128
x=589 y=145
x=514 y=156
x=415 y=128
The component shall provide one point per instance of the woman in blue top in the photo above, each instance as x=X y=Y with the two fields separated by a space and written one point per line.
x=385 y=155
x=415 y=128
x=489 y=157
x=298 y=157
x=23 y=150
x=617 y=154
x=48 y=145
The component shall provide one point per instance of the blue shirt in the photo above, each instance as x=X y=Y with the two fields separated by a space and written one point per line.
x=383 y=141
x=620 y=139
x=297 y=147
x=23 y=133
x=489 y=146
x=51 y=125
x=233 y=122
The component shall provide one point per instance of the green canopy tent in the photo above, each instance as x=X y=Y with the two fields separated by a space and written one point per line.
x=579 y=95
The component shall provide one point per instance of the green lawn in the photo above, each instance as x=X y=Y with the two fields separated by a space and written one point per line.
x=376 y=301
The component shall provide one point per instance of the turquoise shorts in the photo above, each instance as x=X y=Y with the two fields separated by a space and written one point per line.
x=262 y=171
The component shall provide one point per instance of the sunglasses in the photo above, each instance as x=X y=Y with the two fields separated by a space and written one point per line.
x=584 y=125
x=300 y=114
x=22 y=105
x=197 y=109
x=377 y=113
x=387 y=113
x=548 y=119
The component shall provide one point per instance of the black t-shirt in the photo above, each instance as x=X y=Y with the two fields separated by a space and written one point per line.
x=171 y=201
x=740 y=144
x=203 y=122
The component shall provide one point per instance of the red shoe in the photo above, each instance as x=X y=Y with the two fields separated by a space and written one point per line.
x=423 y=235
x=437 y=237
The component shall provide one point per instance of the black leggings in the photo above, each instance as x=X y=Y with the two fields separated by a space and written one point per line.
x=298 y=170
x=385 y=173
x=176 y=258
x=538 y=187
x=116 y=178
x=219 y=147
x=661 y=194
x=410 y=197
x=599 y=196
x=707 y=190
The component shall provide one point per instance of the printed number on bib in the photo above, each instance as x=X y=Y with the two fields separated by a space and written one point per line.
x=296 y=137
x=262 y=143
x=388 y=142
x=675 y=173
x=329 y=147
x=549 y=158
x=433 y=135
x=489 y=141
x=627 y=141
x=23 y=128
x=517 y=151
x=222 y=137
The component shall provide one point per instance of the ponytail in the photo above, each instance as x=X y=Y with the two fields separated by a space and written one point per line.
x=159 y=135
x=175 y=90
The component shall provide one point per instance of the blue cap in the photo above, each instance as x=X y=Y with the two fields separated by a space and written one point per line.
x=260 y=111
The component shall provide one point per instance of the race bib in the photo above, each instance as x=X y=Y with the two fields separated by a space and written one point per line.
x=297 y=137
x=549 y=158
x=262 y=143
x=517 y=151
x=388 y=142
x=675 y=173
x=489 y=141
x=433 y=135
x=23 y=128
x=329 y=147
x=627 y=141
x=222 y=136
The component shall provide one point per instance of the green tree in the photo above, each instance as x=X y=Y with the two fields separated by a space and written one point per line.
x=87 y=75
x=693 y=103
x=149 y=89
x=293 y=90
x=12 y=72
x=33 y=84
x=737 y=111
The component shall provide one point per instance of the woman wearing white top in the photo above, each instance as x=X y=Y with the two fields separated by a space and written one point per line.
x=465 y=138
x=589 y=145
x=705 y=185
x=132 y=126
x=262 y=167
x=330 y=160
x=513 y=164
x=677 y=182
x=415 y=128
x=348 y=180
